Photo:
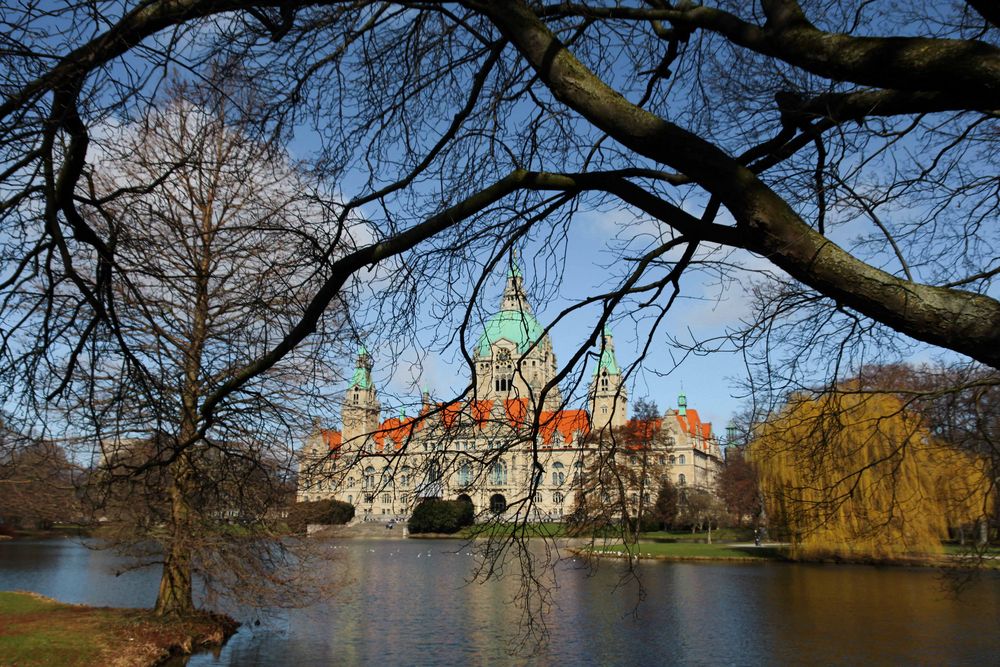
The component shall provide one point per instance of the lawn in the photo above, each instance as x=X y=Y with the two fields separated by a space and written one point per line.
x=690 y=551
x=505 y=529
x=39 y=631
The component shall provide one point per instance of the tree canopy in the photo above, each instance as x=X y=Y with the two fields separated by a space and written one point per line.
x=855 y=474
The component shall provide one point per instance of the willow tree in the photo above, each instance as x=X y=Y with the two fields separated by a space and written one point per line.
x=854 y=474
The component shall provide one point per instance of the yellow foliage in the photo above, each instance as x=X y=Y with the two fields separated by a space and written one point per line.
x=855 y=475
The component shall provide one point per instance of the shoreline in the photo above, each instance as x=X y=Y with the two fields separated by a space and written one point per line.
x=39 y=630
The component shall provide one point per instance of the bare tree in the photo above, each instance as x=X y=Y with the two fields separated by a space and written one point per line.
x=218 y=235
x=850 y=145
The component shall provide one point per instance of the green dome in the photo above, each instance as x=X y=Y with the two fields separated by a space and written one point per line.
x=518 y=327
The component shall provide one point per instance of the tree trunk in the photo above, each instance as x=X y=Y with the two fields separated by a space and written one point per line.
x=710 y=532
x=175 y=597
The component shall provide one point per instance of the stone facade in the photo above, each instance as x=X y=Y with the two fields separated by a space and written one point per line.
x=511 y=448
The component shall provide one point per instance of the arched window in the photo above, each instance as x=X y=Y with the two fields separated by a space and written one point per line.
x=681 y=479
x=558 y=474
x=558 y=498
x=369 y=478
x=434 y=472
x=604 y=379
x=350 y=500
x=682 y=459
x=404 y=476
x=498 y=473
x=465 y=474
x=578 y=472
x=356 y=396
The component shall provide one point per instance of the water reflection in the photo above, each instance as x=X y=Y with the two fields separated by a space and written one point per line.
x=410 y=602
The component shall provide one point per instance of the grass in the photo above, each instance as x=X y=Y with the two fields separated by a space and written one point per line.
x=39 y=631
x=718 y=535
x=689 y=551
x=491 y=529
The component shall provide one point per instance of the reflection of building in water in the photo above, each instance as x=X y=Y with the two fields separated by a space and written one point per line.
x=490 y=449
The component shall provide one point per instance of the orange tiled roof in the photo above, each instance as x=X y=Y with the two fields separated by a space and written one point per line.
x=692 y=424
x=332 y=439
x=398 y=430
x=564 y=422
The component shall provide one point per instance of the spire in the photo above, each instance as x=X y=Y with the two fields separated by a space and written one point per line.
x=513 y=294
x=362 y=370
x=608 y=361
x=514 y=269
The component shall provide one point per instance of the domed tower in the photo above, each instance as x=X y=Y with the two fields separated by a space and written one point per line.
x=608 y=396
x=506 y=364
x=361 y=410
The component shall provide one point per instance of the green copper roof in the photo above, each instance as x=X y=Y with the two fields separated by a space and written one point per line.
x=360 y=379
x=608 y=361
x=520 y=328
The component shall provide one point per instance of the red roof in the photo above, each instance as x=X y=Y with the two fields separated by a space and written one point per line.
x=397 y=429
x=565 y=422
x=332 y=438
x=640 y=432
x=692 y=424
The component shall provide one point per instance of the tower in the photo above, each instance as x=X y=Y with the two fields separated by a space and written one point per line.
x=608 y=396
x=513 y=358
x=361 y=410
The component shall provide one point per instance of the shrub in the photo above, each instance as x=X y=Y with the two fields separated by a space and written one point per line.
x=441 y=516
x=326 y=512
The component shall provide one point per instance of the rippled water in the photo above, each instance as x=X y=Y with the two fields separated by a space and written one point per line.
x=407 y=602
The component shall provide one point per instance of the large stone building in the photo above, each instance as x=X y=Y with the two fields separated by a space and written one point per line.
x=509 y=440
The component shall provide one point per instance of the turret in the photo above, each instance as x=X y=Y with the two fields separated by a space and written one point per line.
x=682 y=405
x=361 y=409
x=513 y=357
x=608 y=396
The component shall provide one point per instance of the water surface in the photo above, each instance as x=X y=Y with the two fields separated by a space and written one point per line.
x=408 y=602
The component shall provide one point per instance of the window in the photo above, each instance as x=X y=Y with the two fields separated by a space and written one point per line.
x=578 y=472
x=673 y=460
x=604 y=410
x=350 y=500
x=464 y=474
x=661 y=459
x=681 y=479
x=558 y=474
x=681 y=459
x=386 y=498
x=369 y=478
x=355 y=397
x=404 y=477
x=558 y=498
x=498 y=473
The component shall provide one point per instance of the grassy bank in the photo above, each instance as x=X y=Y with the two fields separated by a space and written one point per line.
x=40 y=631
x=687 y=551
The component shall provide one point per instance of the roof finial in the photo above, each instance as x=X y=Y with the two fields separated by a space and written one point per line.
x=514 y=270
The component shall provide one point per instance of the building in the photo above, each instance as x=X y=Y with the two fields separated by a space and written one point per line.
x=513 y=438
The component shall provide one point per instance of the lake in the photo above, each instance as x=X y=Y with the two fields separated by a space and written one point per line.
x=407 y=602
